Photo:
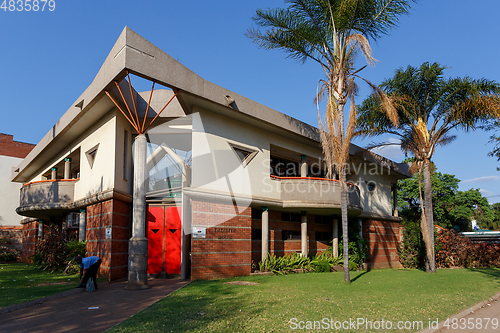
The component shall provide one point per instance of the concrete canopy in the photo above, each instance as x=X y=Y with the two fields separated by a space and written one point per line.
x=132 y=53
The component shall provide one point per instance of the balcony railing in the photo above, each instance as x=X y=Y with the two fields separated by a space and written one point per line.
x=46 y=194
x=316 y=192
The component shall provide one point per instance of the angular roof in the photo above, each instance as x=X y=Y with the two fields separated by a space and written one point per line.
x=132 y=53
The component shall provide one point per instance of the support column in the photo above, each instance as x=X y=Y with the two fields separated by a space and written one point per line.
x=265 y=233
x=138 y=244
x=82 y=225
x=40 y=229
x=53 y=174
x=303 y=233
x=335 y=243
x=303 y=166
x=67 y=168
x=395 y=199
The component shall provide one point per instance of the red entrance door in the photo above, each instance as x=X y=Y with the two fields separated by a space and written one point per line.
x=164 y=240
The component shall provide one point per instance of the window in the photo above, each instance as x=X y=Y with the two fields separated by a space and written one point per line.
x=292 y=217
x=323 y=219
x=323 y=236
x=256 y=213
x=290 y=235
x=245 y=155
x=91 y=155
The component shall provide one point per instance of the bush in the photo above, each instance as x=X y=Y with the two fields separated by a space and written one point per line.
x=453 y=249
x=7 y=254
x=323 y=262
x=57 y=249
x=411 y=250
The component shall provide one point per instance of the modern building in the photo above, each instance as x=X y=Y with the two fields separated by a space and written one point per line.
x=11 y=154
x=227 y=180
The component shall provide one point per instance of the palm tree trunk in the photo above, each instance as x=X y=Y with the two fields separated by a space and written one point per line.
x=429 y=217
x=345 y=238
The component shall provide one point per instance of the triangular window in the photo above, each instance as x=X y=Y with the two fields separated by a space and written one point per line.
x=91 y=154
x=245 y=155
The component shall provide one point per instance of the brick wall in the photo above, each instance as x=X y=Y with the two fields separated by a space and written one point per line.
x=13 y=236
x=9 y=147
x=29 y=240
x=383 y=239
x=226 y=250
x=113 y=214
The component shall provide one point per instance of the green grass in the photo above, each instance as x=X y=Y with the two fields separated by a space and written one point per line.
x=19 y=283
x=390 y=294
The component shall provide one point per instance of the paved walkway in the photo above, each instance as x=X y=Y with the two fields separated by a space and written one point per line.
x=474 y=319
x=87 y=312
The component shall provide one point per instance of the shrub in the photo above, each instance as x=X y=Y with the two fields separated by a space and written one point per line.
x=57 y=249
x=453 y=249
x=411 y=250
x=7 y=254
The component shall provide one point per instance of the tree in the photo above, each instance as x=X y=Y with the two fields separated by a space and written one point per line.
x=331 y=32
x=496 y=140
x=429 y=108
x=495 y=224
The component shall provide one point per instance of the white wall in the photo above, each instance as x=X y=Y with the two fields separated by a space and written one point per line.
x=9 y=193
x=102 y=174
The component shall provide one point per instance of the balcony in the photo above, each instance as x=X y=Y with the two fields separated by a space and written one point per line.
x=38 y=198
x=311 y=192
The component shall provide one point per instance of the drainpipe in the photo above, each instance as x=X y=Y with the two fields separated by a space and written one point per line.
x=265 y=232
x=40 y=229
x=67 y=168
x=138 y=244
x=303 y=233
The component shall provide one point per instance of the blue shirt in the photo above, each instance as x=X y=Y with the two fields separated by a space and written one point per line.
x=89 y=261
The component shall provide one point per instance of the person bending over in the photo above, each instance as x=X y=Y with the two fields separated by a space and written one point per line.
x=90 y=265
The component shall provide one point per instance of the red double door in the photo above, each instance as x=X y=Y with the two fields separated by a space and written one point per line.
x=164 y=240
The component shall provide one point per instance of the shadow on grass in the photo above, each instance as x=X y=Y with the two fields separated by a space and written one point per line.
x=360 y=275
x=493 y=272
x=211 y=304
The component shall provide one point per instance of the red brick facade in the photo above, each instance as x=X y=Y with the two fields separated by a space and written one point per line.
x=9 y=147
x=30 y=239
x=226 y=250
x=111 y=215
x=13 y=235
x=383 y=239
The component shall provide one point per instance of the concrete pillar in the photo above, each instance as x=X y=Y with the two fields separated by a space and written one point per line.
x=303 y=166
x=67 y=168
x=53 y=175
x=82 y=225
x=40 y=229
x=335 y=242
x=395 y=200
x=138 y=244
x=303 y=233
x=265 y=233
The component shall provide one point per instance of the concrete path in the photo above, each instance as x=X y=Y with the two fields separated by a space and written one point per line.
x=87 y=312
x=483 y=317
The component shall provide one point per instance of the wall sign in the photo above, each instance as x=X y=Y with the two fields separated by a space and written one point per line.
x=108 y=233
x=199 y=232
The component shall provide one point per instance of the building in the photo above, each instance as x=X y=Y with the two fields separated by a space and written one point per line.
x=217 y=171
x=11 y=154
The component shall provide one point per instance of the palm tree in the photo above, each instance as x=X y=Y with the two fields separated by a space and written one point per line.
x=429 y=108
x=331 y=32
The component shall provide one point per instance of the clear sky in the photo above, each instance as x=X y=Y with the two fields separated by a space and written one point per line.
x=48 y=59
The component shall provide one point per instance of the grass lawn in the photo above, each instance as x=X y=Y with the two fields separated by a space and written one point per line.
x=389 y=295
x=20 y=283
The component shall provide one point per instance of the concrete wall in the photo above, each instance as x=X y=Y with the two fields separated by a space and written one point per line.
x=99 y=177
x=9 y=193
x=215 y=165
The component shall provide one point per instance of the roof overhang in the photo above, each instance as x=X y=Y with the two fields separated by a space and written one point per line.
x=135 y=55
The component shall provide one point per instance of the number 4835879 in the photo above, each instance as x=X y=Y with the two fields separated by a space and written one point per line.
x=28 y=5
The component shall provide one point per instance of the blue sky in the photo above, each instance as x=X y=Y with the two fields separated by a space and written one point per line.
x=48 y=58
